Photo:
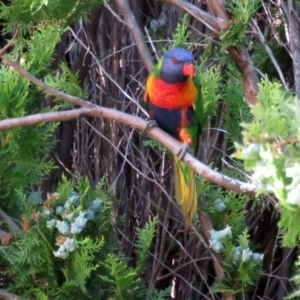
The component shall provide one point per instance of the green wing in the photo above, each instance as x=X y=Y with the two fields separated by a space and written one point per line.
x=198 y=106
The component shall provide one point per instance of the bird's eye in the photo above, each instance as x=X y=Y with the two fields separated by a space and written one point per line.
x=174 y=60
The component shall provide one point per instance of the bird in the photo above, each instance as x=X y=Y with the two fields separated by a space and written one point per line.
x=174 y=102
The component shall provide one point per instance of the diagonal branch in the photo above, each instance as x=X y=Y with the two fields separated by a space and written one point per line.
x=207 y=19
x=10 y=222
x=137 y=122
x=136 y=32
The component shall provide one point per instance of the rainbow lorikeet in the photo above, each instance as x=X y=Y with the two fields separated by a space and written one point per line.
x=175 y=104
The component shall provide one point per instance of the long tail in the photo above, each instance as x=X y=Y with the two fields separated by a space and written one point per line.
x=185 y=190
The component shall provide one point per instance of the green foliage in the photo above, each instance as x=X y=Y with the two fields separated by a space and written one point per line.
x=40 y=49
x=33 y=263
x=233 y=215
x=23 y=150
x=125 y=282
x=154 y=144
x=158 y=295
x=221 y=86
x=209 y=78
x=28 y=13
x=182 y=34
x=158 y=27
x=232 y=94
x=67 y=82
x=145 y=238
x=296 y=280
x=237 y=110
x=65 y=250
x=262 y=60
x=240 y=264
x=241 y=12
x=271 y=151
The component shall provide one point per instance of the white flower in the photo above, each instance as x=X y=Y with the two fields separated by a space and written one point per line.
x=221 y=234
x=257 y=258
x=293 y=194
x=73 y=200
x=246 y=255
x=219 y=205
x=63 y=227
x=79 y=223
x=59 y=210
x=47 y=211
x=90 y=215
x=70 y=245
x=216 y=245
x=277 y=188
x=51 y=224
x=237 y=254
x=266 y=155
x=216 y=238
x=263 y=172
x=251 y=151
x=293 y=171
x=61 y=252
x=96 y=205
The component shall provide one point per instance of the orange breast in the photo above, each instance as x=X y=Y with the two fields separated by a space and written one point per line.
x=170 y=96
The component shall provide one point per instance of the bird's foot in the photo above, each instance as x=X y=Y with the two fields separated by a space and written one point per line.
x=151 y=123
x=184 y=148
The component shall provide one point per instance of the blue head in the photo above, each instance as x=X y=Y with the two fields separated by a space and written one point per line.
x=177 y=65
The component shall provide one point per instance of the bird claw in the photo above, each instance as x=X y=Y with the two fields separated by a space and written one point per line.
x=151 y=123
x=184 y=148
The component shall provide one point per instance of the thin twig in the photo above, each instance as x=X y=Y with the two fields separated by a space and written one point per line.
x=271 y=55
x=9 y=44
x=101 y=69
x=151 y=43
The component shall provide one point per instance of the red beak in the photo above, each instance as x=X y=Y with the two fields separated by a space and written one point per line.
x=188 y=69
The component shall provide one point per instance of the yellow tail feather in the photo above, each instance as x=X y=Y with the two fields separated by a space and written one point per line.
x=185 y=191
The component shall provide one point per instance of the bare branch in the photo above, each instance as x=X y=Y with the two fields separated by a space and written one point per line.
x=207 y=19
x=114 y=13
x=250 y=80
x=134 y=121
x=294 y=42
x=56 y=116
x=8 y=295
x=9 y=44
x=136 y=32
x=5 y=217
